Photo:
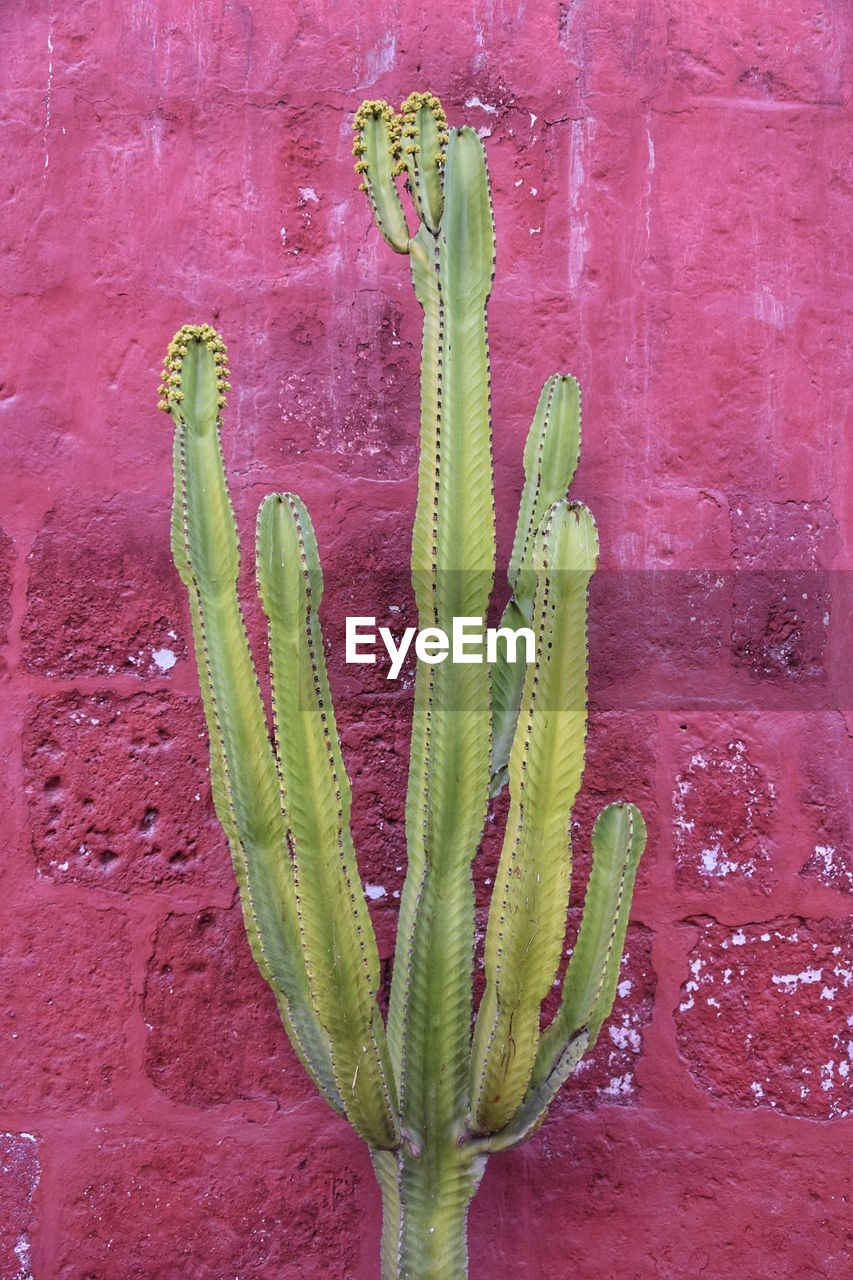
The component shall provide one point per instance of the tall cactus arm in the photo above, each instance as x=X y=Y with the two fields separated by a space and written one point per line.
x=453 y=563
x=338 y=942
x=527 y=918
x=243 y=774
x=377 y=159
x=550 y=461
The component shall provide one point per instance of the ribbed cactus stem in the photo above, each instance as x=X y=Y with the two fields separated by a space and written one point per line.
x=425 y=1203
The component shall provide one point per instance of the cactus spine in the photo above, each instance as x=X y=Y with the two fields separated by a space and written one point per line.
x=430 y=1098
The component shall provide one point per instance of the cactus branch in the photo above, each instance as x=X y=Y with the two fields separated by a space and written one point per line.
x=338 y=944
x=527 y=919
x=245 y=786
x=550 y=461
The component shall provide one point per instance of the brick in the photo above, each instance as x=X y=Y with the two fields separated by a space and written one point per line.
x=104 y=597
x=724 y=802
x=676 y=1199
x=782 y=593
x=766 y=1014
x=63 y=1030
x=825 y=767
x=245 y=1203
x=19 y=1176
x=118 y=792
x=214 y=1035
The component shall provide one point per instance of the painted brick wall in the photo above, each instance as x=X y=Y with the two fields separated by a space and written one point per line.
x=671 y=182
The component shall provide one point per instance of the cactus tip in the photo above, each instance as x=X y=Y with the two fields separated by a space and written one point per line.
x=170 y=389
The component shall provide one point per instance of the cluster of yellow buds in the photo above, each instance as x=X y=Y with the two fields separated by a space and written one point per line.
x=170 y=385
x=409 y=121
x=373 y=109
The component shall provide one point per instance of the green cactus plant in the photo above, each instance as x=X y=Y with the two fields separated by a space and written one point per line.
x=434 y=1092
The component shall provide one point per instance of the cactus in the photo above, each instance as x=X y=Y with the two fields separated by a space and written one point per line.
x=436 y=1091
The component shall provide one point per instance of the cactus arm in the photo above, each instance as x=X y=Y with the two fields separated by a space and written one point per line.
x=528 y=913
x=243 y=778
x=423 y=144
x=338 y=943
x=550 y=460
x=453 y=564
x=589 y=988
x=533 y=1110
x=377 y=149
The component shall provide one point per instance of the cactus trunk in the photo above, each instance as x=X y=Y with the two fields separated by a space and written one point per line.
x=431 y=1094
x=425 y=1202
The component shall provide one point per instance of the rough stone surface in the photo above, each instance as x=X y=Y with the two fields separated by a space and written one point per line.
x=214 y=1034
x=63 y=1043
x=19 y=1177
x=118 y=792
x=722 y=807
x=672 y=199
x=7 y=559
x=766 y=1017
x=102 y=598
x=212 y=1206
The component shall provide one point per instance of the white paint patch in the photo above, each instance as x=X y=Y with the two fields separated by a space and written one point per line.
x=47 y=97
x=650 y=150
x=484 y=106
x=769 y=309
x=578 y=243
x=22 y=1253
x=164 y=659
x=308 y=195
x=382 y=57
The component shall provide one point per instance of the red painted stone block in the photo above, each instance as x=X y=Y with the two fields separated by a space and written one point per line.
x=723 y=808
x=782 y=592
x=19 y=1177
x=214 y=1034
x=620 y=1196
x=118 y=792
x=66 y=970
x=247 y=1201
x=765 y=1018
x=824 y=759
x=104 y=598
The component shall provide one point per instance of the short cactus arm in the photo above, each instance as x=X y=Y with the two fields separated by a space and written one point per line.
x=550 y=460
x=423 y=150
x=589 y=988
x=338 y=943
x=528 y=913
x=243 y=774
x=377 y=152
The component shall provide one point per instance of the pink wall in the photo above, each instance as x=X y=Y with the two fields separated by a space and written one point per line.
x=671 y=185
